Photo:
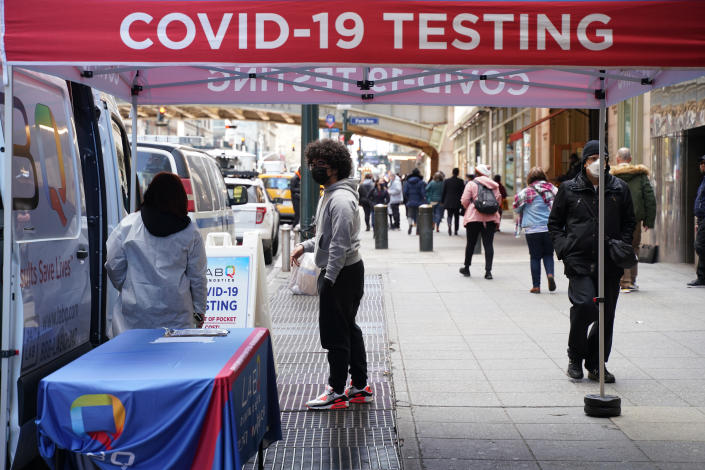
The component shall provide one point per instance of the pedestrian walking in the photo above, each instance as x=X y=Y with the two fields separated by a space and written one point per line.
x=637 y=178
x=533 y=206
x=434 y=192
x=156 y=260
x=378 y=195
x=573 y=225
x=364 y=191
x=341 y=282
x=295 y=190
x=699 y=212
x=395 y=198
x=573 y=168
x=415 y=195
x=450 y=198
x=481 y=200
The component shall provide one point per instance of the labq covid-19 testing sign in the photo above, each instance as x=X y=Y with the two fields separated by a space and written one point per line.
x=228 y=300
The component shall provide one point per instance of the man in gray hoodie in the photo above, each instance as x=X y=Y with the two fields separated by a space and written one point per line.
x=341 y=282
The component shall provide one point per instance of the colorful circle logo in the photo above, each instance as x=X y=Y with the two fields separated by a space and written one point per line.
x=230 y=271
x=100 y=417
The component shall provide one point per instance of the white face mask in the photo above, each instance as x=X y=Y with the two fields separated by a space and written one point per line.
x=594 y=168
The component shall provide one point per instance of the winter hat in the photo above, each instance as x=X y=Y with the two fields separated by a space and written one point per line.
x=483 y=170
x=592 y=148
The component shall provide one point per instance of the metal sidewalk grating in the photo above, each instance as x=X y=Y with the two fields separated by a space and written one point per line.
x=363 y=437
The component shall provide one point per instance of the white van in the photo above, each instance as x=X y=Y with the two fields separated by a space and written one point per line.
x=208 y=203
x=64 y=202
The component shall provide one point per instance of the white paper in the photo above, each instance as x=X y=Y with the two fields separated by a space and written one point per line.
x=183 y=339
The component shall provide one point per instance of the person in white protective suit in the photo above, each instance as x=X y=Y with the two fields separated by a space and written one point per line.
x=157 y=261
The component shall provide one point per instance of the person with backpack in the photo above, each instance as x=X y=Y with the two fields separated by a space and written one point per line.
x=481 y=200
x=415 y=195
x=533 y=206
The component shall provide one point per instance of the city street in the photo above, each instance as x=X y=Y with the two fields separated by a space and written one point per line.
x=478 y=366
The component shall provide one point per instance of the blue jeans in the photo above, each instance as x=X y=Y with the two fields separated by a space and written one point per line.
x=437 y=213
x=540 y=248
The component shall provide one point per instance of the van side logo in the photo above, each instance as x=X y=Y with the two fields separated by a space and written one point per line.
x=100 y=417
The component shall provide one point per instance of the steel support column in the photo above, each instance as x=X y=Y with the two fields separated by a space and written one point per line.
x=309 y=188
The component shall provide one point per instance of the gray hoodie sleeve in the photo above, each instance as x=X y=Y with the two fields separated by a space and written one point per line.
x=309 y=245
x=342 y=212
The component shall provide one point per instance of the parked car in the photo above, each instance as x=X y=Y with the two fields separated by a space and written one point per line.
x=254 y=211
x=71 y=159
x=277 y=185
x=208 y=201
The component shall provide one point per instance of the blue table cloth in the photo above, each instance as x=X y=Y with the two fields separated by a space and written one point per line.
x=133 y=403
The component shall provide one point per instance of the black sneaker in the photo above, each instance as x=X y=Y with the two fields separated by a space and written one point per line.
x=488 y=275
x=409 y=232
x=465 y=271
x=696 y=283
x=594 y=374
x=575 y=369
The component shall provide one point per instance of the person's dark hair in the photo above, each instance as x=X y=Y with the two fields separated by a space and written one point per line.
x=535 y=174
x=334 y=153
x=166 y=194
x=497 y=178
x=456 y=171
x=573 y=157
x=368 y=176
x=416 y=172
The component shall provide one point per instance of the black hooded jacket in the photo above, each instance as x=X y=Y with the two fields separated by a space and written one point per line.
x=573 y=222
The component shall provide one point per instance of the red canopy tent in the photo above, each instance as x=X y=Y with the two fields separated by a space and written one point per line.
x=568 y=54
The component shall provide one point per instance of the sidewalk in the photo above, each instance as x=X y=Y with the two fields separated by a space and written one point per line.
x=478 y=365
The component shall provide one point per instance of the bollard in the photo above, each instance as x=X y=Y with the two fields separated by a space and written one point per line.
x=424 y=223
x=381 y=227
x=297 y=234
x=286 y=247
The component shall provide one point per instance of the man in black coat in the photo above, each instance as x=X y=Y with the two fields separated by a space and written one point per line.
x=450 y=198
x=573 y=225
x=295 y=189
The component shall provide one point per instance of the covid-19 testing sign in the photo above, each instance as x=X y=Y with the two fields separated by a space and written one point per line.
x=228 y=300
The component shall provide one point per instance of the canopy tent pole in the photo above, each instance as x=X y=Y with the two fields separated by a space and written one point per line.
x=133 y=155
x=602 y=405
x=7 y=281
x=601 y=240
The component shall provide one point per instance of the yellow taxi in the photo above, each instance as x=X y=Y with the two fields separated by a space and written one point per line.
x=277 y=185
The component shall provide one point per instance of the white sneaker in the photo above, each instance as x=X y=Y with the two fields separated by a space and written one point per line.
x=329 y=400
x=359 y=395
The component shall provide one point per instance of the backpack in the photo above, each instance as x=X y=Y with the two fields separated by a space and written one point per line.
x=485 y=202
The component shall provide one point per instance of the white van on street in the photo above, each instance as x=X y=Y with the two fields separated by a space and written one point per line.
x=254 y=211
x=70 y=163
x=208 y=202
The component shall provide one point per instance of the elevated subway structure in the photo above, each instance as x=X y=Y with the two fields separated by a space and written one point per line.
x=419 y=127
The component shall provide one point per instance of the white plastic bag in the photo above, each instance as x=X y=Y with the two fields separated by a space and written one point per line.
x=304 y=278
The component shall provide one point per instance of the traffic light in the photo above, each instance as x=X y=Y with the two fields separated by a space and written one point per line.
x=161 y=116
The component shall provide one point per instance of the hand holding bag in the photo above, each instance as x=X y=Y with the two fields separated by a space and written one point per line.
x=621 y=253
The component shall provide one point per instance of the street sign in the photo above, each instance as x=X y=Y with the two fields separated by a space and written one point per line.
x=364 y=121
x=330 y=120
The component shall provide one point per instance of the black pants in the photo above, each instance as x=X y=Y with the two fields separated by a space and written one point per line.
x=296 y=202
x=395 y=215
x=340 y=335
x=368 y=210
x=472 y=230
x=700 y=249
x=454 y=212
x=584 y=312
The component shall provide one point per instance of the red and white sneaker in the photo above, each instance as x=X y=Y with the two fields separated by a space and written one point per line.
x=329 y=400
x=359 y=395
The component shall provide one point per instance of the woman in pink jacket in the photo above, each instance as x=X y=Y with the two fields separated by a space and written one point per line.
x=481 y=216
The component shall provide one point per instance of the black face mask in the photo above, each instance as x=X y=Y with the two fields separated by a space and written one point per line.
x=320 y=174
